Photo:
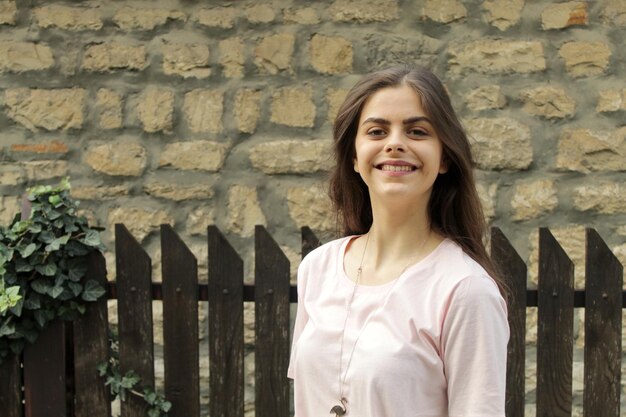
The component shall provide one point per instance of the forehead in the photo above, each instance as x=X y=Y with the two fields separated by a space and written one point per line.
x=399 y=101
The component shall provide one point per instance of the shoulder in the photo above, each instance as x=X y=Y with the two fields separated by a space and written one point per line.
x=460 y=272
x=324 y=256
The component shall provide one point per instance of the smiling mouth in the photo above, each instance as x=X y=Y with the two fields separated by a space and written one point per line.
x=396 y=168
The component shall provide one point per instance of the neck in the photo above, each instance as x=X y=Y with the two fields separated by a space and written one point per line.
x=398 y=233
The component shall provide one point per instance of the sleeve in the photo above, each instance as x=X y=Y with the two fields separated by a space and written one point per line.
x=301 y=318
x=475 y=334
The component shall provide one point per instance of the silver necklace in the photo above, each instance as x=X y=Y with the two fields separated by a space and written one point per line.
x=342 y=408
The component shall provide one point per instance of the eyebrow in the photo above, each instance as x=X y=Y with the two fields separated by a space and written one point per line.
x=408 y=121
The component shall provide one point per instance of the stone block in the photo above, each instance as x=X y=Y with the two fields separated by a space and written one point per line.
x=9 y=207
x=496 y=57
x=613 y=12
x=186 y=60
x=293 y=106
x=620 y=253
x=48 y=147
x=583 y=59
x=493 y=139
x=178 y=191
x=244 y=211
x=548 y=102
x=247 y=109
x=532 y=199
x=259 y=13
x=155 y=110
x=382 y=51
x=363 y=11
x=45 y=170
x=130 y=18
x=444 y=11
x=8 y=12
x=99 y=192
x=113 y=56
x=201 y=155
x=199 y=219
x=11 y=174
x=503 y=13
x=487 y=195
x=139 y=221
x=292 y=156
x=117 y=158
x=334 y=99
x=273 y=53
x=58 y=109
x=486 y=97
x=68 y=18
x=24 y=56
x=330 y=54
x=601 y=197
x=109 y=109
x=302 y=16
x=217 y=17
x=562 y=15
x=611 y=100
x=310 y=206
x=203 y=110
x=584 y=150
x=232 y=57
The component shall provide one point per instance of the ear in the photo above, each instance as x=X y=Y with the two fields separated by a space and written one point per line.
x=443 y=166
x=356 y=165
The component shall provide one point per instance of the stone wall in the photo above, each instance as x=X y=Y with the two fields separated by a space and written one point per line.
x=196 y=113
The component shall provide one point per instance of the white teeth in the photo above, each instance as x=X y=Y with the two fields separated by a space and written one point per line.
x=397 y=168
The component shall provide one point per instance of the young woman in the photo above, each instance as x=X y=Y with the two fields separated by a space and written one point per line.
x=404 y=316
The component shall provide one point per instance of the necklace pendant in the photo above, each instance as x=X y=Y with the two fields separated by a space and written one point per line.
x=340 y=410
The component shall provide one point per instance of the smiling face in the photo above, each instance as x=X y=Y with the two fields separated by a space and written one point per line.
x=398 y=153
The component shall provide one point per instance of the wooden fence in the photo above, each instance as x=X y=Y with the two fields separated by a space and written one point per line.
x=56 y=376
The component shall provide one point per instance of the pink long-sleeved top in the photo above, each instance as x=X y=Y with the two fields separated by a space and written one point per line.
x=430 y=343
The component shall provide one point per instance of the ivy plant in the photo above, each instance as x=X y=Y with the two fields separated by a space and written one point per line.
x=43 y=265
x=123 y=384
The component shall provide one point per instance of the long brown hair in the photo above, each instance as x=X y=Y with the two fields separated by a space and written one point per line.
x=454 y=208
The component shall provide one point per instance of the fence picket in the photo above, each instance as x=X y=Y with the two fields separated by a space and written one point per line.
x=134 y=305
x=554 y=333
x=309 y=240
x=513 y=270
x=45 y=373
x=180 y=325
x=271 y=302
x=10 y=387
x=226 y=381
x=603 y=329
x=91 y=347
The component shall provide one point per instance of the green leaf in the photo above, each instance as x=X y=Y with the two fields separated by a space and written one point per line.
x=48 y=270
x=7 y=328
x=42 y=286
x=21 y=265
x=77 y=268
x=33 y=301
x=56 y=291
x=92 y=291
x=75 y=287
x=27 y=250
x=92 y=238
x=57 y=243
x=55 y=200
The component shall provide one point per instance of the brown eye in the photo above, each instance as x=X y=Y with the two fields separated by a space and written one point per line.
x=417 y=132
x=376 y=132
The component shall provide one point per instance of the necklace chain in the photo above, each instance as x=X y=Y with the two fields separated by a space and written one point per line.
x=342 y=409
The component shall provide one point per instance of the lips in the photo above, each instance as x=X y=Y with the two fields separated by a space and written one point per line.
x=396 y=166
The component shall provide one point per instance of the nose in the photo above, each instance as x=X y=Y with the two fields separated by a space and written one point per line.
x=395 y=143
